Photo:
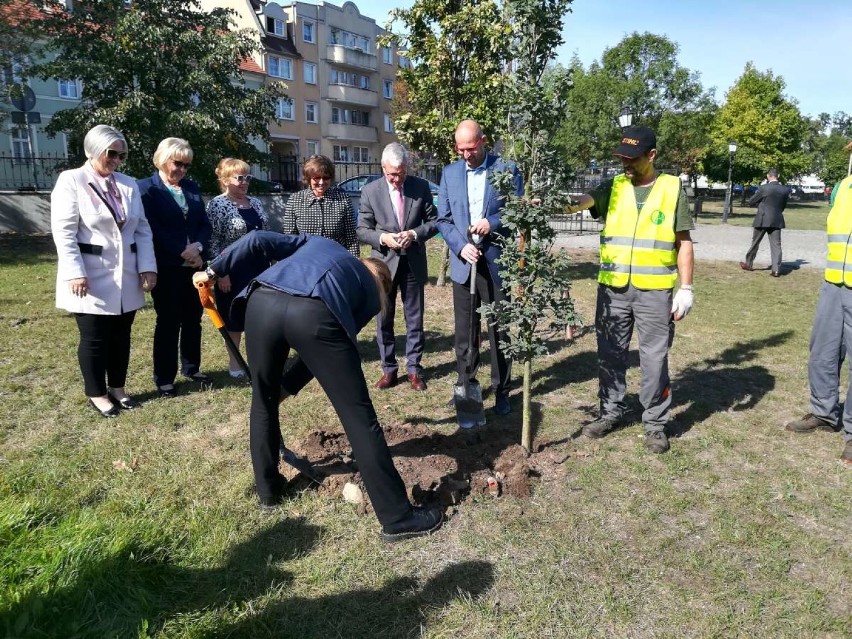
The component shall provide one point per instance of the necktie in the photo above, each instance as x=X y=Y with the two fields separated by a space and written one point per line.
x=400 y=209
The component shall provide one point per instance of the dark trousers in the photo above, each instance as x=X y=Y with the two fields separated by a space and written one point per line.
x=277 y=322
x=178 y=324
x=104 y=350
x=486 y=292
x=774 y=246
x=413 y=300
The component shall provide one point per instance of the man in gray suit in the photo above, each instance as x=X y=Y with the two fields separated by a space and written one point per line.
x=397 y=217
x=771 y=200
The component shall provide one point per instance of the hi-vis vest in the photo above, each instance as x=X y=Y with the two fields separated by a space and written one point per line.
x=838 y=267
x=640 y=247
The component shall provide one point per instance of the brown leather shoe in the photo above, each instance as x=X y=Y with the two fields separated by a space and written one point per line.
x=416 y=382
x=387 y=380
x=745 y=267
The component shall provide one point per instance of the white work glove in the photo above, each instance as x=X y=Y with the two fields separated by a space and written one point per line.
x=682 y=302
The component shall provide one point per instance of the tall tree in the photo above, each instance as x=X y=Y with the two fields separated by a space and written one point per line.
x=829 y=159
x=767 y=127
x=18 y=32
x=458 y=51
x=642 y=74
x=532 y=271
x=158 y=69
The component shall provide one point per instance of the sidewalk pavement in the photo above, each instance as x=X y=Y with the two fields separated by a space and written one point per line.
x=800 y=249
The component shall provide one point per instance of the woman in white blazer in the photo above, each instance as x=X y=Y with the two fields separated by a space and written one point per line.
x=106 y=263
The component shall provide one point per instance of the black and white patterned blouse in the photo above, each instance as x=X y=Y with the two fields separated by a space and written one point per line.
x=331 y=216
x=228 y=224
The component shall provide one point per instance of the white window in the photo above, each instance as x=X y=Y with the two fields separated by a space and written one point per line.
x=21 y=149
x=13 y=73
x=341 y=153
x=69 y=89
x=280 y=67
x=350 y=116
x=312 y=147
x=350 y=40
x=308 y=31
x=349 y=79
x=361 y=154
x=388 y=123
x=278 y=27
x=311 y=112
x=387 y=89
x=387 y=55
x=404 y=63
x=284 y=109
x=310 y=73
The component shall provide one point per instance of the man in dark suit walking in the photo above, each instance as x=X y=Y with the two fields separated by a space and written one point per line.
x=397 y=217
x=771 y=200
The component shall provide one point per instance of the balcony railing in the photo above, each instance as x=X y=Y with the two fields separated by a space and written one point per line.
x=339 y=54
x=352 y=95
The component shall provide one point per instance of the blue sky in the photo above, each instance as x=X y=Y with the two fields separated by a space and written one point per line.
x=809 y=44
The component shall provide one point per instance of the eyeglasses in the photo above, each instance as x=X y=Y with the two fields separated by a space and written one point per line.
x=112 y=154
x=243 y=179
x=321 y=178
x=182 y=165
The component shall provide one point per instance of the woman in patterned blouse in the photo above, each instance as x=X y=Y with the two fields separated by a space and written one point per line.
x=232 y=215
x=322 y=209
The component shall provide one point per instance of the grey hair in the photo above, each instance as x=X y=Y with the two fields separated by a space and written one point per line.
x=773 y=172
x=395 y=155
x=100 y=138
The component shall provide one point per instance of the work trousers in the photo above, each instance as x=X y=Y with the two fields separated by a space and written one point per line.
x=413 y=302
x=463 y=307
x=774 y=246
x=277 y=322
x=104 y=350
x=618 y=310
x=178 y=325
x=831 y=338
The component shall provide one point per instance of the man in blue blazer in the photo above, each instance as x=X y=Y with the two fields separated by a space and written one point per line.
x=469 y=210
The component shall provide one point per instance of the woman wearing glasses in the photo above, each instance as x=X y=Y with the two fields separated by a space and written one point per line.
x=175 y=211
x=233 y=214
x=106 y=262
x=322 y=209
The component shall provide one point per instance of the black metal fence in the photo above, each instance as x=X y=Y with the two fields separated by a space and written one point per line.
x=29 y=173
x=287 y=170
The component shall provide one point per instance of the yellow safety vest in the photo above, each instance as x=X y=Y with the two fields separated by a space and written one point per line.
x=838 y=266
x=640 y=247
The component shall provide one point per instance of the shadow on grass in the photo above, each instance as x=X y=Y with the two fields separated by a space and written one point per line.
x=137 y=586
x=722 y=383
x=21 y=250
x=402 y=608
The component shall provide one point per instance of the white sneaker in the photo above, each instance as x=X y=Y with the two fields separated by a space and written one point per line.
x=237 y=374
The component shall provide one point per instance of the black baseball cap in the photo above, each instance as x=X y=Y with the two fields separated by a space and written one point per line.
x=636 y=141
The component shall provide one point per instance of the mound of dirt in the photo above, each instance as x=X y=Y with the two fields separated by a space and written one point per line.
x=439 y=467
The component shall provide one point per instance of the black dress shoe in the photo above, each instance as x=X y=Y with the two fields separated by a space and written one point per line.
x=501 y=404
x=125 y=403
x=199 y=377
x=775 y=274
x=167 y=393
x=110 y=412
x=420 y=522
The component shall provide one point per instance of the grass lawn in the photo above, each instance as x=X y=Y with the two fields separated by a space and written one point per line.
x=146 y=525
x=798 y=216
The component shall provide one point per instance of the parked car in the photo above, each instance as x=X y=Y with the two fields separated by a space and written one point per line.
x=263 y=187
x=796 y=192
x=352 y=187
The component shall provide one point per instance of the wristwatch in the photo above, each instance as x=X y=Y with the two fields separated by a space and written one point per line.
x=210 y=273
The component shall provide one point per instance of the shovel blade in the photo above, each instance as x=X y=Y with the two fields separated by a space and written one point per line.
x=468 y=401
x=301 y=464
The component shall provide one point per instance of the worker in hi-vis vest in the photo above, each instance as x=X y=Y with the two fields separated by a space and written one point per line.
x=645 y=246
x=829 y=340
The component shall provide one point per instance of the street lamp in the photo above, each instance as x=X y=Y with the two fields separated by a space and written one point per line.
x=732 y=148
x=625 y=118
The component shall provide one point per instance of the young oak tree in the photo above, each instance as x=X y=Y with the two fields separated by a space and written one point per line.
x=458 y=52
x=535 y=274
x=159 y=69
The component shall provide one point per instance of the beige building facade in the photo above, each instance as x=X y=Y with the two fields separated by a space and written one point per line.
x=340 y=82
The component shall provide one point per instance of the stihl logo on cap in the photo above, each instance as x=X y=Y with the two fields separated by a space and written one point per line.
x=630 y=141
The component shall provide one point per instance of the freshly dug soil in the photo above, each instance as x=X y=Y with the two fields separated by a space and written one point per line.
x=439 y=467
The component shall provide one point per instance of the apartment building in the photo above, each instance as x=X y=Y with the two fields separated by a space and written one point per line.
x=340 y=82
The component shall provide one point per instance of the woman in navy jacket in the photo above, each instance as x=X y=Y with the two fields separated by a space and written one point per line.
x=315 y=299
x=181 y=230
